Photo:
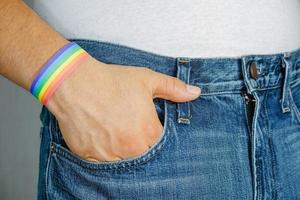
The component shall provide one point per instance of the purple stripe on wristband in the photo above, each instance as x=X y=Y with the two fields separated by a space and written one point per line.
x=49 y=63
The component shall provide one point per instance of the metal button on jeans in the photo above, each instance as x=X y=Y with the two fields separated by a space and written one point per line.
x=253 y=70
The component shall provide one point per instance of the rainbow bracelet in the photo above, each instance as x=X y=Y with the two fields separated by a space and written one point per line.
x=62 y=64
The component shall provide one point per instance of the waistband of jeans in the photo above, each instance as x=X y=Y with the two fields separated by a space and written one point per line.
x=213 y=75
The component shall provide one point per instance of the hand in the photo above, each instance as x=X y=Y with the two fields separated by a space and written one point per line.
x=106 y=112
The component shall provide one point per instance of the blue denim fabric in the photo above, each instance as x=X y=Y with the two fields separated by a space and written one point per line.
x=239 y=140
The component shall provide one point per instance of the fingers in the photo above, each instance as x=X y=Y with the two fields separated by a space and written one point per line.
x=172 y=88
x=133 y=147
x=93 y=159
x=154 y=130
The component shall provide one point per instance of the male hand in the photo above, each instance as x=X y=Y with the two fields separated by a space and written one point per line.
x=106 y=112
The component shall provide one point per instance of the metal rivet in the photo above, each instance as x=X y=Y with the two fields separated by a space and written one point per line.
x=52 y=148
x=286 y=109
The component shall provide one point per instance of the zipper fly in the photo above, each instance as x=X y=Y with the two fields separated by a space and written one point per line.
x=249 y=98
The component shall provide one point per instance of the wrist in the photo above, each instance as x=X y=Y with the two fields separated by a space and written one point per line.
x=61 y=65
x=69 y=88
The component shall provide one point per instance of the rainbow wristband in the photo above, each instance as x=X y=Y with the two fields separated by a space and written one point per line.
x=62 y=64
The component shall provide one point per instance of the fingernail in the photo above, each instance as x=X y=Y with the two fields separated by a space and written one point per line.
x=193 y=89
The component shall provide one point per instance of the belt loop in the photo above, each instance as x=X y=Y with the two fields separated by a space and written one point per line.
x=285 y=104
x=183 y=73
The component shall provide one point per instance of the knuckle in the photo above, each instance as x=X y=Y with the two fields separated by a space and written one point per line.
x=135 y=149
x=170 y=84
x=164 y=84
x=134 y=146
x=139 y=151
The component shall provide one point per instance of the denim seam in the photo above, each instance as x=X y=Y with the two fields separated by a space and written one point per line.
x=262 y=193
x=277 y=86
x=273 y=156
x=257 y=108
x=297 y=81
x=109 y=167
x=39 y=174
x=220 y=93
x=123 y=164
x=48 y=160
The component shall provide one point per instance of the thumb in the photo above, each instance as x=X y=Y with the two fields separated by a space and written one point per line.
x=174 y=89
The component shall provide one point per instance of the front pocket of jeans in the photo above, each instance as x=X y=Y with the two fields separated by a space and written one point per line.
x=62 y=152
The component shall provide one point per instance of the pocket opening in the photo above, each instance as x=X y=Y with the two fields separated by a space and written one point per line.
x=64 y=153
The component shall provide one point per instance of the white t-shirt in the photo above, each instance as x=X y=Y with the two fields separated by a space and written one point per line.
x=204 y=28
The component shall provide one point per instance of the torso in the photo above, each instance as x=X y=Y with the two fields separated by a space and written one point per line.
x=206 y=28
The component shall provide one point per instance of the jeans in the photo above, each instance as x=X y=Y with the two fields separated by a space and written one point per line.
x=239 y=140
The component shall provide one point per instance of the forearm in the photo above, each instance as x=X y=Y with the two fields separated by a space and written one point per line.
x=26 y=42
